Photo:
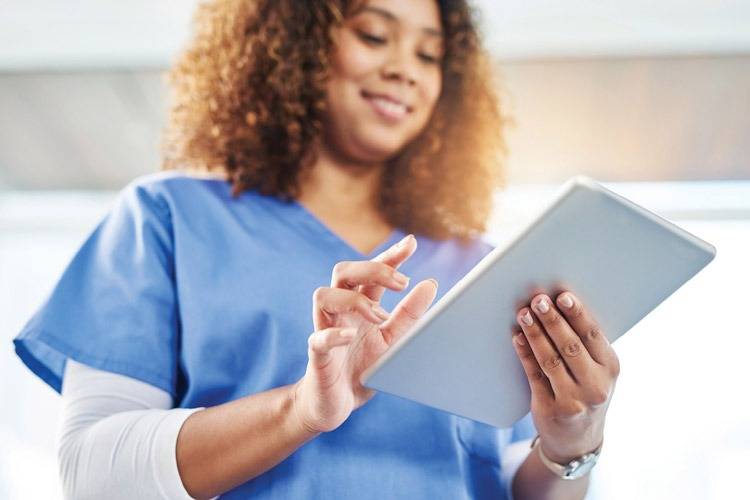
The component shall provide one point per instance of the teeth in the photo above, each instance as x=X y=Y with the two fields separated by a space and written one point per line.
x=389 y=107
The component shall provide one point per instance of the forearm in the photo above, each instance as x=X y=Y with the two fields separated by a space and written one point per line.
x=225 y=445
x=534 y=481
x=119 y=431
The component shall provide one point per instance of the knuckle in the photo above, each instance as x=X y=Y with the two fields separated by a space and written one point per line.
x=312 y=341
x=533 y=332
x=364 y=305
x=598 y=396
x=527 y=354
x=409 y=313
x=572 y=349
x=380 y=274
x=341 y=267
x=577 y=310
x=553 y=362
x=382 y=268
x=319 y=293
x=337 y=269
x=538 y=375
x=553 y=318
x=364 y=302
x=593 y=334
x=570 y=410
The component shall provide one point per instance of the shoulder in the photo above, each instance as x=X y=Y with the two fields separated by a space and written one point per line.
x=167 y=193
x=160 y=185
x=197 y=202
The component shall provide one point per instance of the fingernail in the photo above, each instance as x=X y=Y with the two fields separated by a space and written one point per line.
x=526 y=318
x=404 y=240
x=401 y=278
x=434 y=281
x=542 y=306
x=380 y=311
x=566 y=301
x=518 y=336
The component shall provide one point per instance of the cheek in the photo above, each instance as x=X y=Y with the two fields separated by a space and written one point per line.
x=430 y=96
x=350 y=60
x=434 y=87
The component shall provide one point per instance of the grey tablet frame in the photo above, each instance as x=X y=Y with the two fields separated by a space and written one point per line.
x=620 y=259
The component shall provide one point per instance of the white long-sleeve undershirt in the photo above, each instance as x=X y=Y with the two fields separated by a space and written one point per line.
x=118 y=439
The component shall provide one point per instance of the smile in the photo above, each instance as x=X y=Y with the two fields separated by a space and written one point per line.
x=387 y=106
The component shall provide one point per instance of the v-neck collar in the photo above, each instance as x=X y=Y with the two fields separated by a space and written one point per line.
x=321 y=229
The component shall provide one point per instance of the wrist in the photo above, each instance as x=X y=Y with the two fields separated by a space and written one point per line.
x=565 y=452
x=565 y=466
x=296 y=412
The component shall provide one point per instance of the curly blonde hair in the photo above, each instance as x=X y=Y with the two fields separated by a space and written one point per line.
x=248 y=99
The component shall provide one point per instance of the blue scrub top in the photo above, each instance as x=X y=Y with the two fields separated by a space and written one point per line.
x=210 y=298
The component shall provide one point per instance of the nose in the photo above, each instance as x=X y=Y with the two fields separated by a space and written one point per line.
x=399 y=67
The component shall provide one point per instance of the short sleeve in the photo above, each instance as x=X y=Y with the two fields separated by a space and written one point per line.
x=516 y=451
x=114 y=307
x=495 y=454
x=523 y=429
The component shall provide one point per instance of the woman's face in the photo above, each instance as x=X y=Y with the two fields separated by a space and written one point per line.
x=385 y=77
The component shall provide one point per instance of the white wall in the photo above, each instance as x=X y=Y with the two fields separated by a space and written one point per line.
x=45 y=34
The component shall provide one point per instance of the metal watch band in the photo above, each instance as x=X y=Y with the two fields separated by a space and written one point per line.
x=574 y=469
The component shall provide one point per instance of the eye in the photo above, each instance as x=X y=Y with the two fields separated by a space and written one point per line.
x=428 y=58
x=371 y=39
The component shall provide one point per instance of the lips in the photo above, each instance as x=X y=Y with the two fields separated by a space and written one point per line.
x=387 y=105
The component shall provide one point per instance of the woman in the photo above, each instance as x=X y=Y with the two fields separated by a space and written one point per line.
x=178 y=335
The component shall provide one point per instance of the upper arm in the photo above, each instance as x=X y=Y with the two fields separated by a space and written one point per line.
x=120 y=431
x=90 y=394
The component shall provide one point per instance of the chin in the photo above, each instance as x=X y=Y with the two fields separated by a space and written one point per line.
x=379 y=152
x=385 y=147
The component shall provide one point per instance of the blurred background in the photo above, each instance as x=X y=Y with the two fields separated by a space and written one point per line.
x=653 y=99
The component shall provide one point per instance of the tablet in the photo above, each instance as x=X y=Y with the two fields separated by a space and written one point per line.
x=620 y=259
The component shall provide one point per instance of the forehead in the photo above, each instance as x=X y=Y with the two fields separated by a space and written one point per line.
x=422 y=15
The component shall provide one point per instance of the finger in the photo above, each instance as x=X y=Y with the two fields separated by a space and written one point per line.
x=409 y=310
x=394 y=257
x=329 y=301
x=538 y=381
x=545 y=352
x=567 y=342
x=320 y=343
x=586 y=328
x=351 y=274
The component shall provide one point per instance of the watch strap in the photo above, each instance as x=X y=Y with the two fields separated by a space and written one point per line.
x=571 y=470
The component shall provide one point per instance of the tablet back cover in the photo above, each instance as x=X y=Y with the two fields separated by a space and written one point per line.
x=621 y=260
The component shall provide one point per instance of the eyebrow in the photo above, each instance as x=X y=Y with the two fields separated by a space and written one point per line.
x=392 y=17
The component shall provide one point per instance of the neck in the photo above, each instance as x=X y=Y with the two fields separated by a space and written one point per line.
x=336 y=187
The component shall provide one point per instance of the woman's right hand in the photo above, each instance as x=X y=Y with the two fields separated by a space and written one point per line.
x=350 y=334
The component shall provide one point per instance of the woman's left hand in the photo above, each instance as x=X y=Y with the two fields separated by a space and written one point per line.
x=572 y=370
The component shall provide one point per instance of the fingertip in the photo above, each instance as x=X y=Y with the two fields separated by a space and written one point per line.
x=566 y=300
x=405 y=241
x=410 y=246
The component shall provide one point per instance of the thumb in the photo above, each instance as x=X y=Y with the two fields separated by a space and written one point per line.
x=409 y=310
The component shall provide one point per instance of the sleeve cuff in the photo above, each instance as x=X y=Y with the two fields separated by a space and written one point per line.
x=166 y=473
x=512 y=458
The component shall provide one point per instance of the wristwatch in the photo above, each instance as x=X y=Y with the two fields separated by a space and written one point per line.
x=574 y=469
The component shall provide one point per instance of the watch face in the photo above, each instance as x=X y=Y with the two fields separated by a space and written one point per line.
x=580 y=467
